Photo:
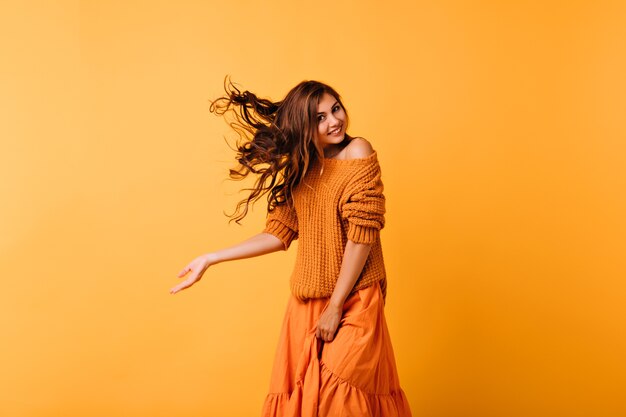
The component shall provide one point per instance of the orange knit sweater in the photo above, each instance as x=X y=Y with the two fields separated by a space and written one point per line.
x=344 y=202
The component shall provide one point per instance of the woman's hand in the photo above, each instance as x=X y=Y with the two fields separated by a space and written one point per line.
x=328 y=323
x=197 y=268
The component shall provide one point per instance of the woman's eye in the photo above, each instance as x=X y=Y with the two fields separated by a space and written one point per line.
x=336 y=108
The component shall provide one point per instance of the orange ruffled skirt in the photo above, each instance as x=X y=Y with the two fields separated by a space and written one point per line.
x=355 y=374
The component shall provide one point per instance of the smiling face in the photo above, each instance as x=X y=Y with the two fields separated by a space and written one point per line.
x=331 y=121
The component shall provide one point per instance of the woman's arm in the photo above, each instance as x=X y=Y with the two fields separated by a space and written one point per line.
x=257 y=245
x=354 y=257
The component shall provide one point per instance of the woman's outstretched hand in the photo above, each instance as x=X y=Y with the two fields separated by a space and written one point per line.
x=328 y=323
x=197 y=268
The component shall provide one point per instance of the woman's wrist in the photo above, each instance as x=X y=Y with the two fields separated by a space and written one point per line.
x=212 y=258
x=335 y=303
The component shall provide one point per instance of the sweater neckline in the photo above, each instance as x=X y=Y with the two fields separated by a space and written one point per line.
x=352 y=161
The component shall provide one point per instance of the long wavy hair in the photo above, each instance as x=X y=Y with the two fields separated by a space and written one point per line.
x=277 y=140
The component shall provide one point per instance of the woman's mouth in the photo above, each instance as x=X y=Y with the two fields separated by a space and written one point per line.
x=335 y=132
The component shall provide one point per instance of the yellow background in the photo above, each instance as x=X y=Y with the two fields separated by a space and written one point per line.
x=501 y=135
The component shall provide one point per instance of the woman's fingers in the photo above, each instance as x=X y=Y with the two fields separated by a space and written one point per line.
x=328 y=336
x=325 y=334
x=178 y=288
x=197 y=267
x=184 y=271
x=185 y=284
x=175 y=289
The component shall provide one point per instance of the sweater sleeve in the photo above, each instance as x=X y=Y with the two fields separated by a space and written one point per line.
x=363 y=204
x=282 y=222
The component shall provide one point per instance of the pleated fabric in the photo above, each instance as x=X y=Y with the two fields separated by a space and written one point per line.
x=354 y=375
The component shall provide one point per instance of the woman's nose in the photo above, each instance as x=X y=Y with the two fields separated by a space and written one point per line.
x=333 y=121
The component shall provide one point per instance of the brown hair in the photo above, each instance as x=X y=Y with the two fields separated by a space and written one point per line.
x=281 y=134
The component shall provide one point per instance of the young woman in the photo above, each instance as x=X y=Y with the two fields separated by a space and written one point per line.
x=324 y=188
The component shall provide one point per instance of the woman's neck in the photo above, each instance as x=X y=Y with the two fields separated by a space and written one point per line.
x=333 y=150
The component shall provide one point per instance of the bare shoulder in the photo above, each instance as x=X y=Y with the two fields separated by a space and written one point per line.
x=359 y=148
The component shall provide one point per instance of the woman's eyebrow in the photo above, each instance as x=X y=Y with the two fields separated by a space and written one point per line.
x=336 y=102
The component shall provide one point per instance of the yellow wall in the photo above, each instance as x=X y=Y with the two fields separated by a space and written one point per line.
x=500 y=129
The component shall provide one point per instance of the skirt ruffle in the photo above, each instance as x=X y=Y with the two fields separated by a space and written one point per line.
x=353 y=375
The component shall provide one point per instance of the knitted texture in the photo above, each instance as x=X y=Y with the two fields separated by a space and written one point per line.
x=344 y=202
